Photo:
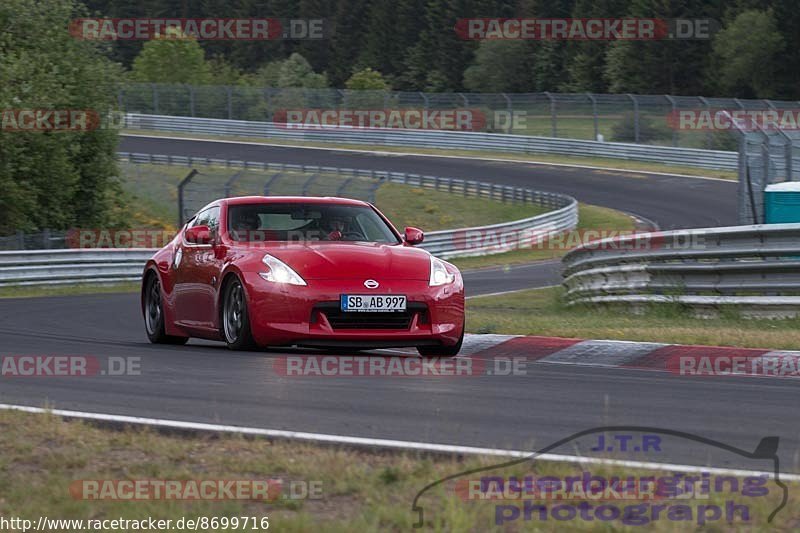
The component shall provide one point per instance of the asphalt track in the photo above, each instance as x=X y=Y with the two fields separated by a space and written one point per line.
x=205 y=382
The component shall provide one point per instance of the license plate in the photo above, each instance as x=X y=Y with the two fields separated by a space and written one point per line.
x=373 y=303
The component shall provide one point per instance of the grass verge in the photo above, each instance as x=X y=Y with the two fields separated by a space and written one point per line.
x=30 y=291
x=608 y=163
x=436 y=210
x=541 y=312
x=152 y=197
x=43 y=456
x=590 y=217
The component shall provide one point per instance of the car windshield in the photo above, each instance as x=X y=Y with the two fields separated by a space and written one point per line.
x=304 y=222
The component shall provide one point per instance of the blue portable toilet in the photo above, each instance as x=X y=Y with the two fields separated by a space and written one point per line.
x=782 y=202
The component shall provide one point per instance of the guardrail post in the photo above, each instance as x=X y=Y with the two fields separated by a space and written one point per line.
x=46 y=239
x=20 y=239
x=374 y=188
x=270 y=181
x=308 y=183
x=424 y=99
x=191 y=100
x=155 y=98
x=230 y=182
x=635 y=117
x=181 y=186
x=343 y=186
x=709 y=139
x=742 y=192
x=672 y=102
x=268 y=100
x=594 y=116
x=787 y=147
x=229 y=94
x=553 y=119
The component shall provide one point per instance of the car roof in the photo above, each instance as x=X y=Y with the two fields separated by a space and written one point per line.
x=249 y=200
x=239 y=200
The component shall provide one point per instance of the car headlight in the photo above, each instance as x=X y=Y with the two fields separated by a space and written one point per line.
x=280 y=272
x=439 y=273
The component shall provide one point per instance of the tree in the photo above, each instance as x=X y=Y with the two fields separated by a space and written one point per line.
x=172 y=58
x=54 y=180
x=663 y=66
x=347 y=40
x=297 y=72
x=746 y=55
x=499 y=66
x=585 y=61
x=398 y=19
x=438 y=60
x=221 y=72
x=367 y=80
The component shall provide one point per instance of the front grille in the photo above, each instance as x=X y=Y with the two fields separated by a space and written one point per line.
x=338 y=319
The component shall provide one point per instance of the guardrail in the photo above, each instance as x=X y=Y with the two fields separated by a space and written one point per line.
x=456 y=140
x=754 y=268
x=446 y=243
x=54 y=267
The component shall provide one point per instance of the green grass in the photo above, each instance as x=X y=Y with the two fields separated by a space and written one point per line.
x=357 y=490
x=542 y=312
x=604 y=162
x=30 y=291
x=153 y=198
x=590 y=217
x=151 y=194
x=433 y=210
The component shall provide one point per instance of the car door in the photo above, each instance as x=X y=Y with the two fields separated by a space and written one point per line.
x=197 y=276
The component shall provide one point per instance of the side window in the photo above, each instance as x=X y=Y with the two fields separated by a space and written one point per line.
x=208 y=217
x=212 y=220
x=199 y=219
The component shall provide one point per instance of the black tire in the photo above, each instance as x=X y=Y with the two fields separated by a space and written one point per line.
x=442 y=351
x=235 y=318
x=154 y=314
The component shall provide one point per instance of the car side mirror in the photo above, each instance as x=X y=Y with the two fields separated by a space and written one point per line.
x=414 y=235
x=198 y=235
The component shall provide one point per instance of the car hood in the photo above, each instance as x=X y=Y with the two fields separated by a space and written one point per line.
x=356 y=261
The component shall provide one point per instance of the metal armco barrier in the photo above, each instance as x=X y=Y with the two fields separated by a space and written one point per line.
x=456 y=140
x=447 y=243
x=58 y=267
x=755 y=268
x=54 y=267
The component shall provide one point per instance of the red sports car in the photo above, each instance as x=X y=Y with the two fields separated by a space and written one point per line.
x=297 y=271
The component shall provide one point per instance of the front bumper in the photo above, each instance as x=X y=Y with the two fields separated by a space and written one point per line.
x=308 y=316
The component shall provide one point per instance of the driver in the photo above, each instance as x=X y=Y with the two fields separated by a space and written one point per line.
x=335 y=226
